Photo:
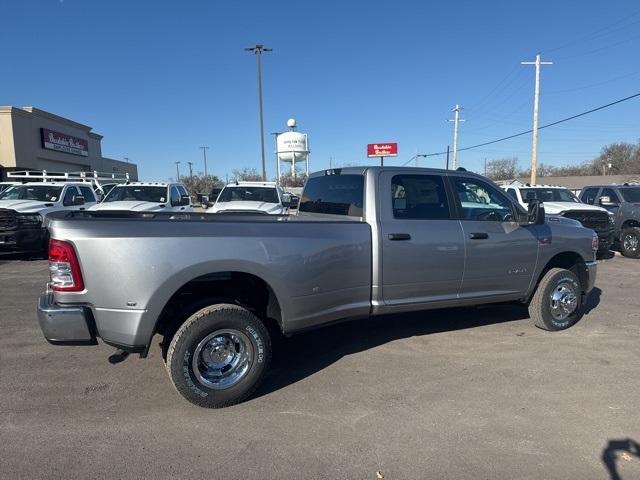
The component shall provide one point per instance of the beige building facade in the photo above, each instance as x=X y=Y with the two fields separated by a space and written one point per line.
x=32 y=139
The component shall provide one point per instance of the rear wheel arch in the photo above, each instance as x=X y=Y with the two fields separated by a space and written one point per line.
x=244 y=289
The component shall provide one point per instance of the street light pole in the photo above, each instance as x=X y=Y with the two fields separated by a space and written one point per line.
x=178 y=171
x=275 y=135
x=190 y=169
x=258 y=49
x=204 y=152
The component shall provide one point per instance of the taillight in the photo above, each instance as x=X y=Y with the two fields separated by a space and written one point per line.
x=64 y=269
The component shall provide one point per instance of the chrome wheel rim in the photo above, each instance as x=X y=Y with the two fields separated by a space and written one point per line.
x=222 y=358
x=564 y=300
x=630 y=242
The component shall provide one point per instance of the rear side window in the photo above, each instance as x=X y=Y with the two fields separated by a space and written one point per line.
x=589 y=195
x=419 y=197
x=87 y=193
x=334 y=194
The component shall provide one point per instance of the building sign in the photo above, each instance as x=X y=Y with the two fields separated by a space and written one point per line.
x=382 y=150
x=64 y=143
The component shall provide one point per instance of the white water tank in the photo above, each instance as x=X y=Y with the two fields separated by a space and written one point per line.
x=292 y=147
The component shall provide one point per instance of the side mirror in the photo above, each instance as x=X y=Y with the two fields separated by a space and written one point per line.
x=606 y=201
x=76 y=200
x=295 y=201
x=185 y=200
x=535 y=212
x=530 y=196
x=286 y=200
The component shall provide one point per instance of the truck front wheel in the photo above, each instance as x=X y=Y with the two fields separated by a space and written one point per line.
x=630 y=242
x=557 y=301
x=219 y=356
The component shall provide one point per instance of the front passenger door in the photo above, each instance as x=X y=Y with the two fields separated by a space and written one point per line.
x=501 y=255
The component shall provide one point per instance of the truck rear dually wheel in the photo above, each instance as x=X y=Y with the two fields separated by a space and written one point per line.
x=556 y=304
x=219 y=356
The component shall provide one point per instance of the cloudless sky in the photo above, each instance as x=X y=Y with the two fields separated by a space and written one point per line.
x=158 y=79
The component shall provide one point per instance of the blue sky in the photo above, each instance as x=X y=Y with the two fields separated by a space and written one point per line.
x=159 y=79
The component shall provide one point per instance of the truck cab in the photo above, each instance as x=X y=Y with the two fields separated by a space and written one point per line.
x=623 y=203
x=252 y=197
x=24 y=206
x=146 y=197
x=561 y=201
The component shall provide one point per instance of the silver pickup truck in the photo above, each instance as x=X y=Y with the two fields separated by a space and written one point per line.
x=366 y=241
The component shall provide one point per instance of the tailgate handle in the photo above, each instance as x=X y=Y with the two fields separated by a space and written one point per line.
x=478 y=235
x=399 y=236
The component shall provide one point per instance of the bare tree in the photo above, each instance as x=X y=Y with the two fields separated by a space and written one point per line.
x=287 y=180
x=200 y=183
x=246 y=175
x=502 y=168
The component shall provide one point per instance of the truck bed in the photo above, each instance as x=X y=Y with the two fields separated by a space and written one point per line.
x=318 y=268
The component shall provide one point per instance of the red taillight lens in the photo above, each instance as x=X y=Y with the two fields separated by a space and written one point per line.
x=64 y=269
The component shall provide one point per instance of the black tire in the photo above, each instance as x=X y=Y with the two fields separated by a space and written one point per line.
x=238 y=331
x=560 y=282
x=630 y=242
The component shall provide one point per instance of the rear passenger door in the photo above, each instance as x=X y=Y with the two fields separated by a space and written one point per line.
x=501 y=255
x=422 y=242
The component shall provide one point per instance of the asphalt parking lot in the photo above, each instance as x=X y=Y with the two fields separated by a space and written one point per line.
x=463 y=393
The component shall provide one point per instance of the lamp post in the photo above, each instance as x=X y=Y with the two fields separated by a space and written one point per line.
x=275 y=136
x=204 y=152
x=178 y=171
x=258 y=49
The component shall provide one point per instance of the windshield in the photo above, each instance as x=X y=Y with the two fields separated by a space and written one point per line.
x=631 y=194
x=40 y=193
x=249 y=194
x=548 y=195
x=137 y=193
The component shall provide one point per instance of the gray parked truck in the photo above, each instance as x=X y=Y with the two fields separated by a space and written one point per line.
x=623 y=201
x=366 y=241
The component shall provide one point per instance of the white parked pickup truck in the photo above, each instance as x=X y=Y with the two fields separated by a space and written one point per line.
x=561 y=201
x=252 y=197
x=23 y=207
x=147 y=197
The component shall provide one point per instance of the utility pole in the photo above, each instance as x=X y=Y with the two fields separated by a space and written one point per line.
x=178 y=171
x=330 y=162
x=447 y=157
x=485 y=166
x=258 y=49
x=536 y=98
x=275 y=136
x=204 y=152
x=190 y=169
x=456 y=120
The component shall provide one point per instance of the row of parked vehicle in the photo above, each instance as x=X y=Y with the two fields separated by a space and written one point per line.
x=612 y=211
x=23 y=206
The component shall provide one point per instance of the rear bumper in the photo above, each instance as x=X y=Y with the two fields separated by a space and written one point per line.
x=23 y=239
x=591 y=270
x=65 y=325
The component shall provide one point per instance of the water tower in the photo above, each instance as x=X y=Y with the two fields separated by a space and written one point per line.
x=292 y=147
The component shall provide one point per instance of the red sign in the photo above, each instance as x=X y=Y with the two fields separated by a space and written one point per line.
x=382 y=150
x=64 y=143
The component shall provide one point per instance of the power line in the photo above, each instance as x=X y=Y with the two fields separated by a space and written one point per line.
x=602 y=107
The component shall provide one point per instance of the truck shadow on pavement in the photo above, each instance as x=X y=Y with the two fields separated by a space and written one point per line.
x=617 y=449
x=22 y=256
x=304 y=354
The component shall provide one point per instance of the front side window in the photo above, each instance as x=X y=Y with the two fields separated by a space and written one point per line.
x=609 y=192
x=175 y=196
x=334 y=194
x=68 y=195
x=512 y=192
x=419 y=197
x=40 y=193
x=631 y=194
x=589 y=195
x=480 y=201
x=248 y=194
x=137 y=193
x=87 y=193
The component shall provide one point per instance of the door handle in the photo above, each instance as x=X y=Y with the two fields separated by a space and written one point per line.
x=478 y=235
x=399 y=236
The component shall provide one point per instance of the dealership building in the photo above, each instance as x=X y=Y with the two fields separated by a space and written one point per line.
x=32 y=139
